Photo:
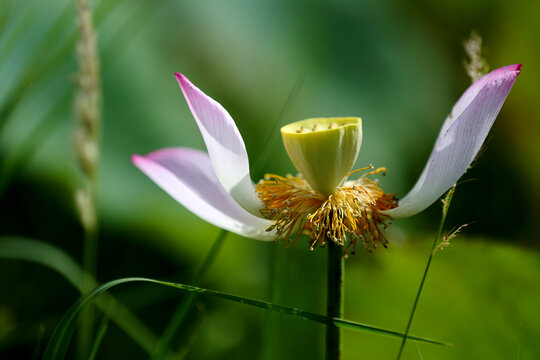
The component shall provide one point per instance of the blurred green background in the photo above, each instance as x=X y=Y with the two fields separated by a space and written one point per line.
x=398 y=64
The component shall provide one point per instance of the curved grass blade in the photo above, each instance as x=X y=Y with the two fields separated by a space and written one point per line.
x=61 y=337
x=47 y=255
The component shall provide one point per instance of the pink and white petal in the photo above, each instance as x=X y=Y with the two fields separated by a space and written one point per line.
x=224 y=143
x=459 y=140
x=470 y=94
x=188 y=176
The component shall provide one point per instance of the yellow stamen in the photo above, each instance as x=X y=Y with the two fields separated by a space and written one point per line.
x=361 y=169
x=353 y=212
x=287 y=200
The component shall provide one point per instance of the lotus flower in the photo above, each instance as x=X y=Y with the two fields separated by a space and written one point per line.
x=321 y=201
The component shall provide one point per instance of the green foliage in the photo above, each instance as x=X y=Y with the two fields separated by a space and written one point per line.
x=60 y=339
x=54 y=258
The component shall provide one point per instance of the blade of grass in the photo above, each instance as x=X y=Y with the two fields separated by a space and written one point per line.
x=61 y=337
x=187 y=303
x=99 y=337
x=193 y=334
x=128 y=30
x=49 y=256
x=40 y=336
x=14 y=161
x=13 y=37
x=47 y=62
x=62 y=20
x=5 y=10
x=446 y=205
x=419 y=352
x=274 y=133
x=520 y=334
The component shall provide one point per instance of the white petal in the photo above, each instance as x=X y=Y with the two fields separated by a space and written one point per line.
x=188 y=176
x=225 y=145
x=459 y=140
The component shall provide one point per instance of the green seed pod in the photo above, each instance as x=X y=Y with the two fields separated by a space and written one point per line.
x=323 y=150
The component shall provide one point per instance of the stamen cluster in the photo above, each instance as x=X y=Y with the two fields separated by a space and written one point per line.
x=353 y=212
x=288 y=201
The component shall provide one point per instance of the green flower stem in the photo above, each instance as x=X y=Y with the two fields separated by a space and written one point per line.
x=446 y=204
x=334 y=299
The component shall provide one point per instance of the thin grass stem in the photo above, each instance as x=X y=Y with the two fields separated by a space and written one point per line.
x=12 y=37
x=5 y=10
x=40 y=336
x=186 y=305
x=193 y=335
x=270 y=319
x=446 y=204
x=291 y=98
x=99 y=337
x=419 y=352
x=520 y=335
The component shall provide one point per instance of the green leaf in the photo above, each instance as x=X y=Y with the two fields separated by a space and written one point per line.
x=47 y=255
x=61 y=337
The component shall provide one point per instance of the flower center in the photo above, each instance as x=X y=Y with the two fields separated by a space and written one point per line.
x=323 y=150
x=353 y=211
